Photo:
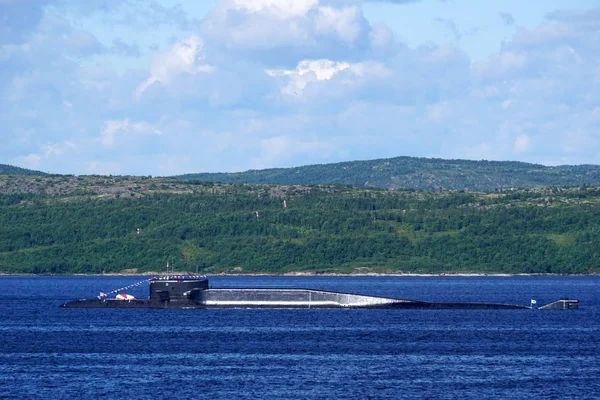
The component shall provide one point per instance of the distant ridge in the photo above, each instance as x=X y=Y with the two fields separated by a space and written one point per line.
x=12 y=170
x=418 y=173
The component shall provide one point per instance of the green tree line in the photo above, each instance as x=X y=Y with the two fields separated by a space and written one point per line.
x=323 y=229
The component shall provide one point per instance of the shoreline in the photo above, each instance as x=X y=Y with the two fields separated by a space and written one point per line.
x=309 y=274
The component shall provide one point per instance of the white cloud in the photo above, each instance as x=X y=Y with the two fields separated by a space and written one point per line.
x=438 y=112
x=500 y=65
x=32 y=161
x=342 y=22
x=307 y=71
x=113 y=129
x=266 y=83
x=522 y=144
x=322 y=69
x=58 y=149
x=293 y=82
x=381 y=37
x=185 y=56
x=284 y=32
x=284 y=9
x=51 y=152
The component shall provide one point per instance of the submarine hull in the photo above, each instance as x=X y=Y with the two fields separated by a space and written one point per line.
x=197 y=294
x=111 y=303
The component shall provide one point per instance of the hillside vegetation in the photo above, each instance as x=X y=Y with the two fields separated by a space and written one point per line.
x=11 y=170
x=418 y=173
x=66 y=224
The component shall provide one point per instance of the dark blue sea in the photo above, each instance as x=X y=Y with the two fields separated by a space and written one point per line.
x=49 y=352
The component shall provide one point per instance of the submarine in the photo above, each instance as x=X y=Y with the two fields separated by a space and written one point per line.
x=191 y=291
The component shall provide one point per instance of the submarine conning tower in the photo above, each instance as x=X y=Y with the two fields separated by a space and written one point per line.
x=177 y=288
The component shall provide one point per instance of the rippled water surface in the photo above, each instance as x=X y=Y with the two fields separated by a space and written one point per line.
x=303 y=354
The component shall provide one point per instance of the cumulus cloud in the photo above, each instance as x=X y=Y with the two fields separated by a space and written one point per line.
x=113 y=129
x=341 y=22
x=382 y=39
x=266 y=83
x=306 y=29
x=522 y=143
x=501 y=65
x=294 y=81
x=50 y=152
x=185 y=56
x=395 y=1
x=284 y=9
x=32 y=161
x=58 y=149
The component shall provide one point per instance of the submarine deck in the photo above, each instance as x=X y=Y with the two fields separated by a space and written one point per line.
x=281 y=298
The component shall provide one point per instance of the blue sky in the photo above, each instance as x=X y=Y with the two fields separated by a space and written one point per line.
x=163 y=87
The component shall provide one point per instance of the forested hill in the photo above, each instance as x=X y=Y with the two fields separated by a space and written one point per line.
x=94 y=224
x=418 y=173
x=11 y=170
